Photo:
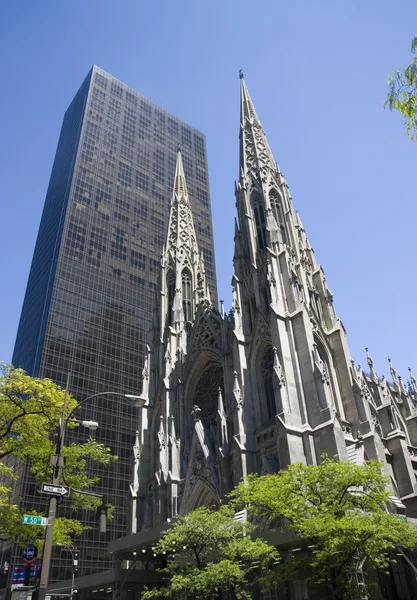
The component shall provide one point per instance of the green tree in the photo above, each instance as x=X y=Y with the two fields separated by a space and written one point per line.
x=30 y=413
x=402 y=95
x=340 y=510
x=208 y=551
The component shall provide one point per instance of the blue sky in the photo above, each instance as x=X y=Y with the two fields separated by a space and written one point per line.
x=317 y=74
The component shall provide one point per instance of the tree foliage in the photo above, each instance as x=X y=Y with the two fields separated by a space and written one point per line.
x=208 y=551
x=402 y=95
x=340 y=510
x=30 y=413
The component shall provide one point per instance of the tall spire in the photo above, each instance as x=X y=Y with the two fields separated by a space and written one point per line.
x=181 y=232
x=255 y=154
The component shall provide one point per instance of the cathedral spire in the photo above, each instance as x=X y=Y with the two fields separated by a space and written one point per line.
x=184 y=283
x=180 y=185
x=181 y=232
x=371 y=366
x=255 y=154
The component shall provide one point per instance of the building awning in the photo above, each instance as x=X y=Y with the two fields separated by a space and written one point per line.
x=136 y=541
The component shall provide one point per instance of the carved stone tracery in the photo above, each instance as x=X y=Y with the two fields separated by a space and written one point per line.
x=206 y=332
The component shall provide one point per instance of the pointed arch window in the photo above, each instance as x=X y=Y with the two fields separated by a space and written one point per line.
x=171 y=294
x=322 y=376
x=206 y=397
x=278 y=214
x=267 y=370
x=186 y=295
x=259 y=216
x=315 y=302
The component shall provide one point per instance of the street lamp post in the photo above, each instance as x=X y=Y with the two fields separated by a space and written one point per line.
x=73 y=571
x=74 y=558
x=57 y=462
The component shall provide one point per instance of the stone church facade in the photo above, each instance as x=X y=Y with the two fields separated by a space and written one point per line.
x=271 y=382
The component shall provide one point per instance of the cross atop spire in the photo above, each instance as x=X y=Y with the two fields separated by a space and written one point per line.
x=255 y=154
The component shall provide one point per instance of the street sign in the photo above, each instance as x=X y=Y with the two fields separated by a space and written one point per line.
x=55 y=490
x=30 y=553
x=34 y=520
x=30 y=574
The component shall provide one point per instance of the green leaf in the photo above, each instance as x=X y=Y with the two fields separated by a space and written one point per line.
x=339 y=507
x=402 y=95
x=30 y=413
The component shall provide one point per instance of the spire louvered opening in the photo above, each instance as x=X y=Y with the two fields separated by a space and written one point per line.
x=276 y=205
x=259 y=220
x=186 y=295
x=267 y=370
x=324 y=384
x=170 y=294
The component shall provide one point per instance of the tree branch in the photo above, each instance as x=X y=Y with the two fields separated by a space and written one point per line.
x=15 y=418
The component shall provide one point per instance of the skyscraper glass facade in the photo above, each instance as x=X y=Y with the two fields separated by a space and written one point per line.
x=93 y=280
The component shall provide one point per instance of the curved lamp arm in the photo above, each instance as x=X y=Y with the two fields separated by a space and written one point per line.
x=136 y=401
x=128 y=396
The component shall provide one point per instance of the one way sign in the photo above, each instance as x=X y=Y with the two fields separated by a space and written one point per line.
x=55 y=490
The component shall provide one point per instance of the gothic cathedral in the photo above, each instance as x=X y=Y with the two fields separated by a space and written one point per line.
x=271 y=382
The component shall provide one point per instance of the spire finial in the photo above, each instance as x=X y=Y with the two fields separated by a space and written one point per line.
x=413 y=380
x=393 y=372
x=371 y=366
x=241 y=76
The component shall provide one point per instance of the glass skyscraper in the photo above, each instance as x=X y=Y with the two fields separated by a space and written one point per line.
x=93 y=280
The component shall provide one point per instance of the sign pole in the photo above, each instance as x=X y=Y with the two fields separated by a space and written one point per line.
x=57 y=462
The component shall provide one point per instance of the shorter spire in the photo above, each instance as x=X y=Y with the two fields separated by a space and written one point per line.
x=220 y=406
x=236 y=391
x=353 y=370
x=222 y=422
x=136 y=447
x=181 y=239
x=298 y=221
x=393 y=372
x=371 y=366
x=173 y=434
x=413 y=382
x=403 y=387
x=180 y=185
